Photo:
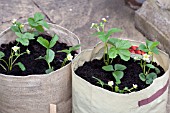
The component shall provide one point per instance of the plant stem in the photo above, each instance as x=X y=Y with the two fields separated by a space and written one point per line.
x=64 y=62
x=3 y=67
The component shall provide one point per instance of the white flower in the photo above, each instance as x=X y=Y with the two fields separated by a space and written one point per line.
x=135 y=86
x=110 y=83
x=146 y=57
x=28 y=51
x=14 y=21
x=69 y=57
x=136 y=58
x=15 y=48
x=104 y=19
x=93 y=25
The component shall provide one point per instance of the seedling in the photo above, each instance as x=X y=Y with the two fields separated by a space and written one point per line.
x=15 y=54
x=50 y=54
x=68 y=52
x=117 y=71
x=150 y=48
x=104 y=37
x=38 y=22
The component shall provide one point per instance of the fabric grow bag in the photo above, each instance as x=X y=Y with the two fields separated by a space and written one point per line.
x=88 y=98
x=35 y=93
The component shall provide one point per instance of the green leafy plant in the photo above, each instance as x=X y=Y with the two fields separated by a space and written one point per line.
x=150 y=48
x=24 y=38
x=38 y=22
x=50 y=54
x=68 y=53
x=117 y=71
x=100 y=82
x=119 y=47
x=104 y=37
x=15 y=54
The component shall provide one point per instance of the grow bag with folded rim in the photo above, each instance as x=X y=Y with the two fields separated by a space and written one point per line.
x=88 y=98
x=35 y=93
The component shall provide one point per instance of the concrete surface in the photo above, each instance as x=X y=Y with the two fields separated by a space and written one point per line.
x=154 y=22
x=75 y=15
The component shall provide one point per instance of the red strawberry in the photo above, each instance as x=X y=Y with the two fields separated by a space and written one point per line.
x=138 y=52
x=134 y=47
x=142 y=52
x=131 y=50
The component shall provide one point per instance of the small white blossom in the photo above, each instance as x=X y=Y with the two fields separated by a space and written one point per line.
x=69 y=57
x=93 y=25
x=28 y=51
x=14 y=21
x=107 y=16
x=110 y=83
x=15 y=48
x=135 y=86
x=104 y=19
x=146 y=57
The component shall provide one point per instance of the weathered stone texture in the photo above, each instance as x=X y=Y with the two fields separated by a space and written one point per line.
x=75 y=15
x=154 y=22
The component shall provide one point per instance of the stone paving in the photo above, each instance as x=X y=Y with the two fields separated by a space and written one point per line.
x=75 y=15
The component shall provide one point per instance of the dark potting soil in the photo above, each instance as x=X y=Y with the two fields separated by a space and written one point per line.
x=131 y=74
x=34 y=66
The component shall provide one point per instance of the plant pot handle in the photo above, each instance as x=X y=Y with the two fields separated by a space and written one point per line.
x=154 y=96
x=53 y=108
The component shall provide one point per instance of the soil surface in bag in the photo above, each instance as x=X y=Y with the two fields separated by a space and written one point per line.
x=131 y=73
x=30 y=61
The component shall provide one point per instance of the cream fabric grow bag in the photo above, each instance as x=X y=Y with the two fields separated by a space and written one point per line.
x=88 y=98
x=35 y=93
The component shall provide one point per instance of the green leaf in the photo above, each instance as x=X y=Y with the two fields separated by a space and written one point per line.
x=142 y=77
x=44 y=24
x=111 y=31
x=99 y=81
x=123 y=44
x=112 y=52
x=118 y=74
x=65 y=51
x=124 y=54
x=108 y=68
x=43 y=42
x=150 y=66
x=32 y=22
x=49 y=70
x=23 y=41
x=101 y=36
x=15 y=28
x=119 y=67
x=155 y=50
x=116 y=89
x=53 y=41
x=1 y=54
x=149 y=43
x=39 y=28
x=21 y=66
x=157 y=70
x=75 y=47
x=143 y=48
x=38 y=16
x=28 y=36
x=149 y=81
x=154 y=44
x=151 y=76
x=19 y=34
x=40 y=57
x=50 y=54
x=113 y=41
